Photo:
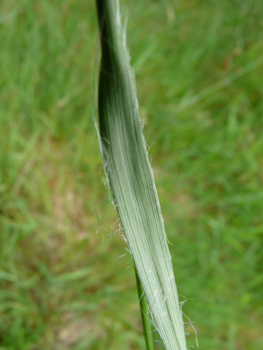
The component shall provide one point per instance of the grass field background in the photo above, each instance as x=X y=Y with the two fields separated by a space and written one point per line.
x=199 y=68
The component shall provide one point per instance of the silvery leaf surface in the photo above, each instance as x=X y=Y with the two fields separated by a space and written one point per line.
x=131 y=178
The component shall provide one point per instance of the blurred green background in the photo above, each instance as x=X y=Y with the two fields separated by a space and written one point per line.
x=199 y=68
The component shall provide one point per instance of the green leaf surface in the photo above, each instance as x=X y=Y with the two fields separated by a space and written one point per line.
x=131 y=178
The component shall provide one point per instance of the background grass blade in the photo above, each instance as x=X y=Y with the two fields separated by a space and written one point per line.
x=131 y=178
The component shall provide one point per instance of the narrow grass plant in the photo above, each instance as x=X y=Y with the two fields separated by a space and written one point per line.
x=131 y=180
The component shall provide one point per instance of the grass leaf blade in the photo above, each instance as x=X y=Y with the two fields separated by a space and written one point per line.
x=131 y=178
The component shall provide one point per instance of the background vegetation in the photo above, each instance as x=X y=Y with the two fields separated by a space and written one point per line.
x=199 y=68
